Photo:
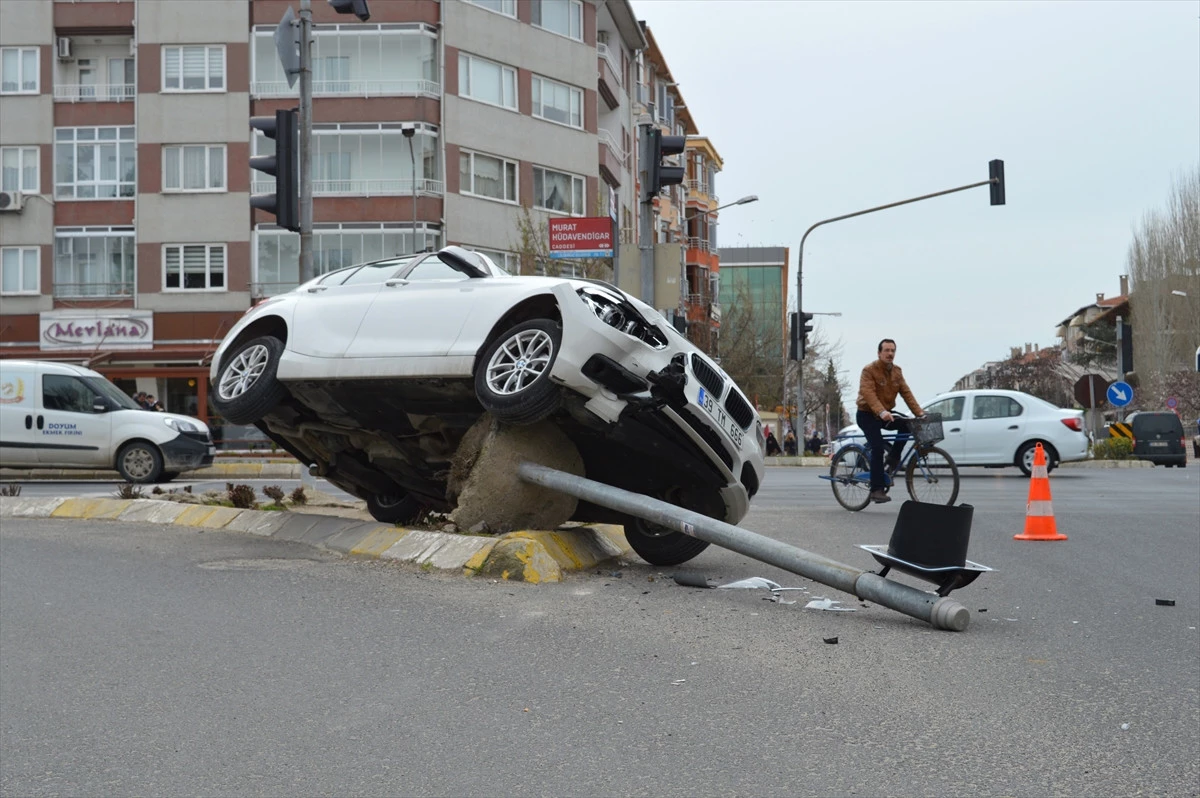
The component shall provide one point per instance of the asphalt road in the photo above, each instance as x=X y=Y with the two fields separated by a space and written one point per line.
x=137 y=659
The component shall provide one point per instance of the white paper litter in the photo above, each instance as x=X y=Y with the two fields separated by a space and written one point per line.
x=826 y=604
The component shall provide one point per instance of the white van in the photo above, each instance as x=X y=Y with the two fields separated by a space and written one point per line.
x=54 y=415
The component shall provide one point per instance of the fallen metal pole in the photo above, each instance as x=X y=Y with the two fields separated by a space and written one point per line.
x=942 y=612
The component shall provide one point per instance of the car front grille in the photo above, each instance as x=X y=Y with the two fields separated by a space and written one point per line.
x=739 y=409
x=709 y=377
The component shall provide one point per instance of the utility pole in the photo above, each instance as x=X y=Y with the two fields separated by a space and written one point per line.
x=306 y=200
x=645 y=214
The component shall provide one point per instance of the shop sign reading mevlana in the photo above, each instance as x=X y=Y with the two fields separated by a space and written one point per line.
x=104 y=330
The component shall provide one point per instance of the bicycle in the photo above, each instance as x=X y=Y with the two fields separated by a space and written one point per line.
x=930 y=473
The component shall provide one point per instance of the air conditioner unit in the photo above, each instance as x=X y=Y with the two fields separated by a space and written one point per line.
x=64 y=48
x=11 y=201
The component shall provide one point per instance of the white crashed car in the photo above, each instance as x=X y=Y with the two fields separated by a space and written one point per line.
x=373 y=373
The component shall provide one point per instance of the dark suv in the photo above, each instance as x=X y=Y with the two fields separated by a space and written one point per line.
x=1158 y=437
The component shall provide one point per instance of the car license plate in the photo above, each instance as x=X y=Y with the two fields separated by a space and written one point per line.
x=727 y=424
x=212 y=449
x=1159 y=443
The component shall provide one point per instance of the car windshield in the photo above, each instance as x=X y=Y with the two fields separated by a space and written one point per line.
x=112 y=393
x=1157 y=423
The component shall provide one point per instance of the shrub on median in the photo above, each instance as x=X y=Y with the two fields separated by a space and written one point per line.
x=1113 y=449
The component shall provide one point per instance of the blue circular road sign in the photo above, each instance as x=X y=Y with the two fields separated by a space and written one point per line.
x=1120 y=394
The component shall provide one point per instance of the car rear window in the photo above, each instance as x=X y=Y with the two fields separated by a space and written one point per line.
x=1157 y=424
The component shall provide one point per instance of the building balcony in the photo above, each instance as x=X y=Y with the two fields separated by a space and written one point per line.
x=608 y=84
x=700 y=191
x=78 y=92
x=613 y=160
x=360 y=188
x=265 y=89
x=92 y=290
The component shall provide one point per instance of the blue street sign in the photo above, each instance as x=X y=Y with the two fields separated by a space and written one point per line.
x=1120 y=394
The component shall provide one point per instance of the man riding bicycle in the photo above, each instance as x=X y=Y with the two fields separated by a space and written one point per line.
x=878 y=386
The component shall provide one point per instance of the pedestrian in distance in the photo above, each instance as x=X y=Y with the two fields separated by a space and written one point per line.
x=789 y=444
x=772 y=444
x=814 y=444
x=878 y=386
x=153 y=404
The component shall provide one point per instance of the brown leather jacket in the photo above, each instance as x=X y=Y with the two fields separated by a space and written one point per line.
x=878 y=386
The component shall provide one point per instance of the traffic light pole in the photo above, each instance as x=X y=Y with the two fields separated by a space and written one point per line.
x=992 y=181
x=645 y=214
x=306 y=203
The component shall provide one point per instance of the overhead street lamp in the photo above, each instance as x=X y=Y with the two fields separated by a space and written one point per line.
x=409 y=130
x=744 y=201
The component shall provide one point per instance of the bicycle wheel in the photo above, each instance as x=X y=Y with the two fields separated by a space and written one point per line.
x=932 y=477
x=850 y=475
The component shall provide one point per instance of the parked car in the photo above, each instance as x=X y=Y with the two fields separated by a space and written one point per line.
x=1158 y=437
x=999 y=428
x=375 y=372
x=57 y=415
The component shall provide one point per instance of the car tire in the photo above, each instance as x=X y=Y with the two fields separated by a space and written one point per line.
x=658 y=545
x=512 y=379
x=1024 y=458
x=398 y=508
x=140 y=462
x=246 y=388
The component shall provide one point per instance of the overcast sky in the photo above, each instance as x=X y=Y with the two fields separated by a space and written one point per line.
x=822 y=109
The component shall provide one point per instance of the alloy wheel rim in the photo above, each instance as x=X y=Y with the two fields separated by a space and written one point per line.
x=138 y=463
x=243 y=372
x=519 y=362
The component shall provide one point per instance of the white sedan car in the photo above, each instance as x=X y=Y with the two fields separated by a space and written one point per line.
x=1000 y=428
x=375 y=372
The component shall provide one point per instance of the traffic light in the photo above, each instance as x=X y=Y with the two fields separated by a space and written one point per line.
x=659 y=174
x=996 y=176
x=793 y=345
x=283 y=165
x=805 y=329
x=356 y=7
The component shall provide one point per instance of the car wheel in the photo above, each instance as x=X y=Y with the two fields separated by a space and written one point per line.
x=512 y=380
x=1024 y=458
x=659 y=545
x=394 y=508
x=140 y=462
x=246 y=387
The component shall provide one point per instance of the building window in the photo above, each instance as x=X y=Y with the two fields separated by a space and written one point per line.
x=194 y=167
x=486 y=176
x=505 y=260
x=19 y=270
x=364 y=159
x=194 y=267
x=487 y=81
x=93 y=261
x=557 y=102
x=557 y=191
x=506 y=7
x=564 y=17
x=94 y=162
x=277 y=252
x=21 y=171
x=19 y=70
x=194 y=68
x=356 y=60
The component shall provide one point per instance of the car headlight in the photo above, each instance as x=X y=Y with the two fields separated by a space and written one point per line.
x=182 y=425
x=614 y=311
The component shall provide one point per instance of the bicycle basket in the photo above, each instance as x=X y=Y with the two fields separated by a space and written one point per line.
x=927 y=430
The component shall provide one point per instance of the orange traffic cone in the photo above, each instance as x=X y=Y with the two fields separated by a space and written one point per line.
x=1039 y=515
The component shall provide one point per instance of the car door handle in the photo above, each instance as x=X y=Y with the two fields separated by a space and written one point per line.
x=956 y=429
x=317 y=288
x=41 y=422
x=1014 y=426
x=395 y=282
x=28 y=422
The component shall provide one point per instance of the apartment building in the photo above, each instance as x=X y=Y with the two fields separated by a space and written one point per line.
x=128 y=242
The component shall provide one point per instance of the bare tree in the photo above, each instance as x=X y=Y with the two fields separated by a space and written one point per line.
x=1035 y=373
x=1164 y=271
x=532 y=248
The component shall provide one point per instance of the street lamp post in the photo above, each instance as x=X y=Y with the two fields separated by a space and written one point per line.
x=683 y=266
x=409 y=131
x=995 y=179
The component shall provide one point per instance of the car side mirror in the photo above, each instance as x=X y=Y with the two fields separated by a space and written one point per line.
x=99 y=405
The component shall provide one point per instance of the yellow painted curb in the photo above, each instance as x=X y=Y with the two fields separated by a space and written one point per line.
x=474 y=565
x=522 y=558
x=378 y=541
x=195 y=515
x=90 y=508
x=218 y=519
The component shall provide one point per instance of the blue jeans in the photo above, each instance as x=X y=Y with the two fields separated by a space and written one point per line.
x=872 y=427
